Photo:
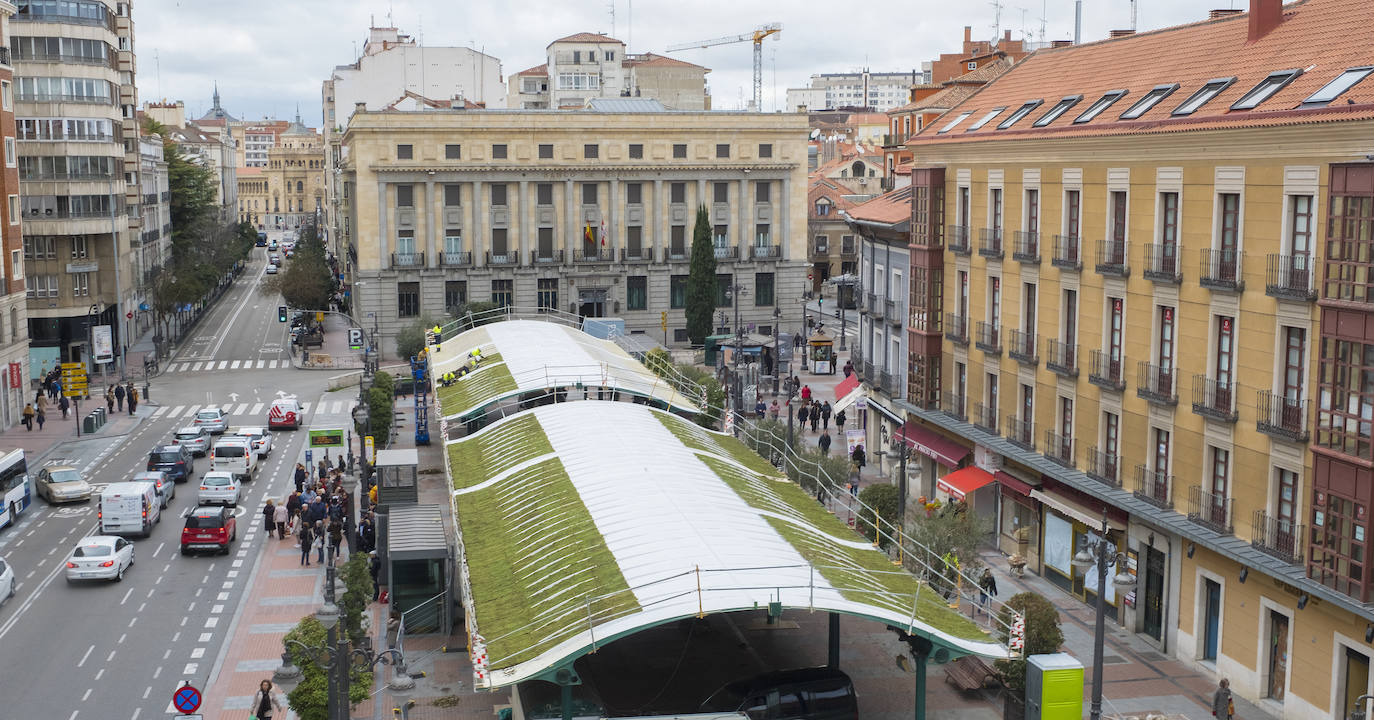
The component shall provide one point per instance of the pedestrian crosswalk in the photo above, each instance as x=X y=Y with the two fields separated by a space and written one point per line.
x=208 y=365
x=253 y=410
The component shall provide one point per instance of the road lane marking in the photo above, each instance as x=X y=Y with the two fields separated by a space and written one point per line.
x=158 y=671
x=190 y=669
x=216 y=609
x=147 y=691
x=166 y=654
x=260 y=364
x=197 y=653
x=73 y=717
x=222 y=596
x=211 y=622
x=122 y=636
x=136 y=712
x=83 y=657
x=205 y=637
x=159 y=548
x=87 y=694
x=99 y=674
x=127 y=593
x=223 y=364
x=133 y=620
x=197 y=367
x=176 y=636
x=111 y=657
x=235 y=365
x=191 y=608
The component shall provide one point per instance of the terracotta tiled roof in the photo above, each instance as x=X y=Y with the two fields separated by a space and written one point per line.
x=822 y=188
x=536 y=70
x=888 y=209
x=958 y=89
x=873 y=118
x=1316 y=36
x=986 y=72
x=653 y=60
x=586 y=37
x=241 y=172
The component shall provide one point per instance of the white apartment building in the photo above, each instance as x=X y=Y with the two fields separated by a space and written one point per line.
x=880 y=91
x=589 y=65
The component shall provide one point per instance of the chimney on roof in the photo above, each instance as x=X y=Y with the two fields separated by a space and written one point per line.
x=1122 y=33
x=1265 y=15
x=1060 y=43
x=1223 y=12
x=1006 y=36
x=968 y=33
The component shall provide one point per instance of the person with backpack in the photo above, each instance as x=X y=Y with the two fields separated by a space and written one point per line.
x=319 y=541
x=336 y=539
x=64 y=405
x=307 y=538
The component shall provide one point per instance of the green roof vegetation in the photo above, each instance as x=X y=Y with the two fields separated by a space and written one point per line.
x=699 y=438
x=540 y=570
x=503 y=446
x=488 y=383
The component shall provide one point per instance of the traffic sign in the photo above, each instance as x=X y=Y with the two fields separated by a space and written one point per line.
x=355 y=338
x=186 y=699
x=309 y=455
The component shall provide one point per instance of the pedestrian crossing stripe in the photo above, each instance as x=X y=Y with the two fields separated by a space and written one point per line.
x=336 y=407
x=198 y=366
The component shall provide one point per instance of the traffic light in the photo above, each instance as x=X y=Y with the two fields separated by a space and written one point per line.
x=281 y=313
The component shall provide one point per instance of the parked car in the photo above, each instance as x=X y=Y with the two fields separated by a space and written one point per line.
x=7 y=581
x=819 y=693
x=166 y=488
x=209 y=528
x=218 y=488
x=175 y=460
x=193 y=438
x=100 y=557
x=213 y=419
x=62 y=484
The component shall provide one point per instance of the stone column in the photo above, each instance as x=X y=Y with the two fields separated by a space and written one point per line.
x=570 y=222
x=383 y=242
x=745 y=219
x=783 y=214
x=613 y=219
x=657 y=239
x=479 y=256
x=431 y=256
x=525 y=221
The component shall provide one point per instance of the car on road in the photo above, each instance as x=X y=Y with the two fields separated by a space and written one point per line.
x=209 y=528
x=213 y=419
x=261 y=439
x=7 y=581
x=285 y=413
x=271 y=269
x=274 y=259
x=166 y=488
x=175 y=460
x=100 y=557
x=193 y=438
x=129 y=508
x=62 y=484
x=272 y=245
x=218 y=488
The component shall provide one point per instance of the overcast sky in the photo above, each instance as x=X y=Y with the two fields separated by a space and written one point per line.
x=268 y=56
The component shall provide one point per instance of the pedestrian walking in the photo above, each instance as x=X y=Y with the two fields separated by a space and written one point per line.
x=806 y=392
x=802 y=414
x=824 y=442
x=815 y=417
x=28 y=417
x=300 y=477
x=265 y=702
x=64 y=405
x=323 y=470
x=319 y=541
x=269 y=516
x=119 y=397
x=40 y=416
x=307 y=538
x=825 y=415
x=839 y=421
x=987 y=588
x=336 y=538
x=1223 y=706
x=293 y=510
x=374 y=568
x=279 y=517
x=132 y=394
x=366 y=534
x=40 y=403
x=109 y=398
x=773 y=411
x=760 y=408
x=858 y=456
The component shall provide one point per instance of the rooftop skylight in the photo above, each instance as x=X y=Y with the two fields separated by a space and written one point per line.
x=986 y=118
x=953 y=122
x=1265 y=89
x=1021 y=112
x=1101 y=104
x=1059 y=108
x=1149 y=100
x=1203 y=95
x=1332 y=90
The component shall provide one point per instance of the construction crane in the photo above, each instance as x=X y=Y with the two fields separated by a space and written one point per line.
x=757 y=37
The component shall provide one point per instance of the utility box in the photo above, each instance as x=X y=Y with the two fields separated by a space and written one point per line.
x=1054 y=687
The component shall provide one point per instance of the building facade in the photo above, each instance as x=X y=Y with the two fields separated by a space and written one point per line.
x=79 y=165
x=880 y=91
x=834 y=247
x=14 y=325
x=1138 y=308
x=581 y=212
x=288 y=191
x=589 y=65
x=209 y=145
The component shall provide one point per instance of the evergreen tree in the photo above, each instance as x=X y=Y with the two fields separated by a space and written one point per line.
x=702 y=286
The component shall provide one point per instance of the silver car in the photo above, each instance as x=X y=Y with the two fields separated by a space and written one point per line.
x=166 y=489
x=62 y=484
x=213 y=419
x=195 y=438
x=218 y=488
x=261 y=439
x=100 y=557
x=7 y=581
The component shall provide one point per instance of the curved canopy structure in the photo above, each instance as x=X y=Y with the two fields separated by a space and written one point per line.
x=586 y=521
x=522 y=356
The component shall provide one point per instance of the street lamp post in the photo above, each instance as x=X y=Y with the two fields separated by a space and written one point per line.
x=777 y=359
x=899 y=448
x=1100 y=552
x=805 y=332
x=735 y=293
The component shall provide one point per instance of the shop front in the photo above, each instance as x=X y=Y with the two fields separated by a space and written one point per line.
x=1018 y=522
x=936 y=454
x=1071 y=522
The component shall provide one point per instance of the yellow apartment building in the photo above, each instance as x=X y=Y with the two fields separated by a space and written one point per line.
x=587 y=212
x=1142 y=293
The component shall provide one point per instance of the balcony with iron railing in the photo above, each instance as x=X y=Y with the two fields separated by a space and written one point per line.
x=1210 y=510
x=1282 y=417
x=888 y=184
x=1156 y=384
x=890 y=384
x=870 y=372
x=1282 y=539
x=1162 y=264
x=1152 y=486
x=893 y=140
x=5 y=56
x=893 y=310
x=874 y=305
x=956 y=328
x=988 y=338
x=985 y=417
x=1289 y=277
x=1221 y=270
x=407 y=260
x=990 y=243
x=1061 y=358
x=1021 y=433
x=455 y=259
x=677 y=255
x=956 y=239
x=1214 y=399
x=765 y=252
x=1104 y=467
x=546 y=257
x=954 y=405
x=1021 y=346
x=1111 y=258
x=502 y=258
x=1026 y=249
x=1067 y=253
x=600 y=255
x=726 y=252
x=1059 y=449
x=636 y=255
x=1105 y=371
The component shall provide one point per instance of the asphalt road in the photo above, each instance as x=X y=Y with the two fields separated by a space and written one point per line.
x=119 y=650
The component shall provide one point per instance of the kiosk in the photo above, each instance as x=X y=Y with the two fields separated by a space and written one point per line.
x=822 y=354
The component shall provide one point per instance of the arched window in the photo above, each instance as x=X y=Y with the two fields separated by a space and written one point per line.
x=857 y=169
x=300 y=186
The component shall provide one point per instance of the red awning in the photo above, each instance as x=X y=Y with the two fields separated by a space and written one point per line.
x=932 y=444
x=964 y=481
x=1011 y=482
x=846 y=386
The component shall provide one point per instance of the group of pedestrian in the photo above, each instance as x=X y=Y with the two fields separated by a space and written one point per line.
x=52 y=383
x=817 y=414
x=318 y=513
x=116 y=395
x=36 y=411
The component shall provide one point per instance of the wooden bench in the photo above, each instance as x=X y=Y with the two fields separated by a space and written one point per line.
x=970 y=673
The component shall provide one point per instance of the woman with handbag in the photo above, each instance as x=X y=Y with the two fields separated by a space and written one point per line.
x=1223 y=707
x=265 y=703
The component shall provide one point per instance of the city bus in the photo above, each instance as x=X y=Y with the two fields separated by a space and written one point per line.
x=14 y=486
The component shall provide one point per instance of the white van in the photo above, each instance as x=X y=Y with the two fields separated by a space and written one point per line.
x=235 y=455
x=128 y=508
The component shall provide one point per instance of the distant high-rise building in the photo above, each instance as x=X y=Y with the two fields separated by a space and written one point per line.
x=589 y=65
x=880 y=91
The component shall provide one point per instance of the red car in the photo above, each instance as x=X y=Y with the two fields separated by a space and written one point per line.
x=209 y=528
